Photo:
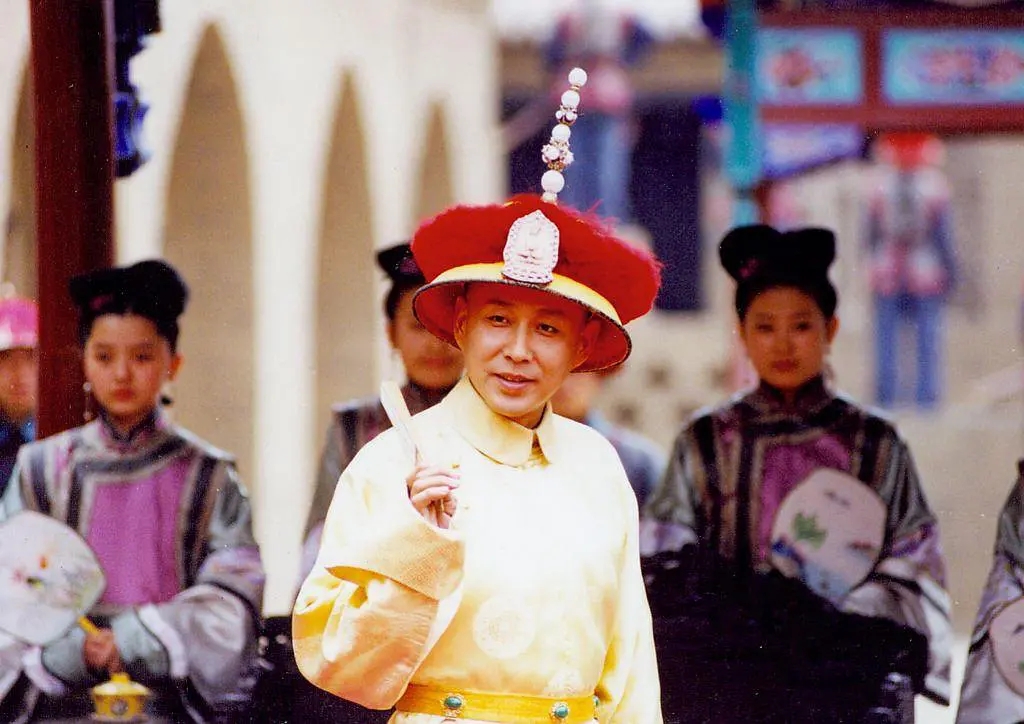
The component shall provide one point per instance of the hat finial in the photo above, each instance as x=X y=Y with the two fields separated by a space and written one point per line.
x=556 y=153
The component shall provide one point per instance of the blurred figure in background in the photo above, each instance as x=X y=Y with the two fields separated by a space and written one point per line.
x=643 y=460
x=19 y=383
x=912 y=264
x=432 y=368
x=993 y=686
x=604 y=41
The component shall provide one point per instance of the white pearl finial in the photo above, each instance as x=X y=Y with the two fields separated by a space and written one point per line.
x=578 y=77
x=552 y=181
x=555 y=153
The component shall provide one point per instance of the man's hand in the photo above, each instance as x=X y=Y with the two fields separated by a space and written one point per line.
x=430 y=490
x=100 y=651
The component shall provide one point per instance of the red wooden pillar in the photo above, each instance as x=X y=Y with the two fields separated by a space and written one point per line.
x=762 y=197
x=72 y=72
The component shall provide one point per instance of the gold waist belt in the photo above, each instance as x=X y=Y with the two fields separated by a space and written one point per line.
x=513 y=708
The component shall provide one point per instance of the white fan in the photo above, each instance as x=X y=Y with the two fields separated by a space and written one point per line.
x=49 y=578
x=828 y=532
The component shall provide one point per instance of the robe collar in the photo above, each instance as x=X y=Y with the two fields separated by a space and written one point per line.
x=496 y=436
x=810 y=398
x=142 y=435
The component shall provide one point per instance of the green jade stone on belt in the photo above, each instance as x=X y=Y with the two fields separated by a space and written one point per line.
x=453 y=701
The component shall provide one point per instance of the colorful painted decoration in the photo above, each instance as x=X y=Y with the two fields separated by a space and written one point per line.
x=828 y=532
x=953 y=67
x=809 y=66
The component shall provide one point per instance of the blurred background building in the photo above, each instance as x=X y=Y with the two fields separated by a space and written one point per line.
x=290 y=140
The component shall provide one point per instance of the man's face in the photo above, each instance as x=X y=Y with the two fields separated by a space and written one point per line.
x=520 y=344
x=19 y=386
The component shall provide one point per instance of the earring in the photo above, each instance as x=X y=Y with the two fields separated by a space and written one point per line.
x=87 y=411
x=167 y=394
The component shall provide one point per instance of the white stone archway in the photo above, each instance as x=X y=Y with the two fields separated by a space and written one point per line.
x=208 y=237
x=19 y=251
x=346 y=292
x=434 y=191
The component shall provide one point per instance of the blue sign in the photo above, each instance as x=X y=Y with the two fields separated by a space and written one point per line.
x=792 y=148
x=953 y=67
x=810 y=66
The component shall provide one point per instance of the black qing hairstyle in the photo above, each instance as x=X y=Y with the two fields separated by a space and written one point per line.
x=405 y=275
x=152 y=289
x=760 y=257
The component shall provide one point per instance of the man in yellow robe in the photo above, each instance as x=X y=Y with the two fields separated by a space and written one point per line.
x=492 y=574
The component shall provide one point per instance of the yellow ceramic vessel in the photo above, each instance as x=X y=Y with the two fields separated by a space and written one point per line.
x=120 y=700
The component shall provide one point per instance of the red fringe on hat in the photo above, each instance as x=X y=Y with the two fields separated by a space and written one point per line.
x=589 y=252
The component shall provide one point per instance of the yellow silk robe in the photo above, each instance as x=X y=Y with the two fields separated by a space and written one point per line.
x=535 y=590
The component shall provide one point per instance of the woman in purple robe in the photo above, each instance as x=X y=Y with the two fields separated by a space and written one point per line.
x=163 y=511
x=793 y=563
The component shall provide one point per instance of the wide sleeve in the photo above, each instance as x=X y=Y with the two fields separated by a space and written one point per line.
x=908 y=583
x=669 y=520
x=385 y=586
x=207 y=633
x=643 y=460
x=337 y=453
x=23 y=487
x=986 y=697
x=629 y=691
